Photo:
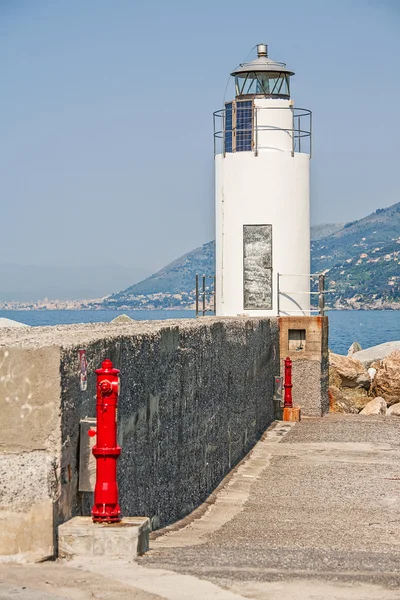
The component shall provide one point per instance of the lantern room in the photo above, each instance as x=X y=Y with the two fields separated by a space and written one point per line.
x=262 y=77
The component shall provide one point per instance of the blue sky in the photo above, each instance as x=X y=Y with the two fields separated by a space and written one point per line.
x=106 y=118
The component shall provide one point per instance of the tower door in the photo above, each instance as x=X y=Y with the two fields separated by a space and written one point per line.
x=257 y=267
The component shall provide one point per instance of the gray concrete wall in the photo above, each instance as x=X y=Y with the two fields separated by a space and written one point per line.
x=30 y=448
x=195 y=396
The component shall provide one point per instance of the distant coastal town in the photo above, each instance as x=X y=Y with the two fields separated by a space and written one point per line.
x=161 y=300
x=47 y=304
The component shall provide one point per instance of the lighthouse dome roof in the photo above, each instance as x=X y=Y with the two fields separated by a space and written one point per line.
x=262 y=64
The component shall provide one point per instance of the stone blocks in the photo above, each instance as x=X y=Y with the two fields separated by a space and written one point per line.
x=305 y=341
x=81 y=537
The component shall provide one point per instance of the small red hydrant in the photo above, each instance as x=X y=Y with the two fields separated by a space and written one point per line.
x=288 y=401
x=106 y=451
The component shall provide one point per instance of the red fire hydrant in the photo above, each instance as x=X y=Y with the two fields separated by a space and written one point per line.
x=288 y=401
x=106 y=508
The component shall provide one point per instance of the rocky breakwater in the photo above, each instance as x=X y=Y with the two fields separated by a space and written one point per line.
x=366 y=381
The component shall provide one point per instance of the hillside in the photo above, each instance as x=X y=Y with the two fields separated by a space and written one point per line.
x=379 y=228
x=320 y=231
x=173 y=286
x=360 y=260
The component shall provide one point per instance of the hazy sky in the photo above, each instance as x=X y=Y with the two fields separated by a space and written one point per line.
x=106 y=109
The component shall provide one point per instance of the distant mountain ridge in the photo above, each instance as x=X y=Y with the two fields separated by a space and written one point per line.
x=320 y=231
x=360 y=260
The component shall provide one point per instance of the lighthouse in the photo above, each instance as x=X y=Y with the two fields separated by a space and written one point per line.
x=262 y=148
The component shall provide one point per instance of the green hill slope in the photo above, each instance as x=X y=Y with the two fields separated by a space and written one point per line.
x=361 y=261
x=381 y=227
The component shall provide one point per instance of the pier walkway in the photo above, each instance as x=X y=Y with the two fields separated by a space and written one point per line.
x=312 y=513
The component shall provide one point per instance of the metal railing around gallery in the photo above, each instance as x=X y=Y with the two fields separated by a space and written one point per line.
x=317 y=291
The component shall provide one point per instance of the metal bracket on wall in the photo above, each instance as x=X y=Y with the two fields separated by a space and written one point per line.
x=87 y=462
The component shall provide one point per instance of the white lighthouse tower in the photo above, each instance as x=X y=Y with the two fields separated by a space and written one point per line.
x=262 y=183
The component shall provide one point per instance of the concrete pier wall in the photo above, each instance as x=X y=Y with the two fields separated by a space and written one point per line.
x=195 y=397
x=30 y=447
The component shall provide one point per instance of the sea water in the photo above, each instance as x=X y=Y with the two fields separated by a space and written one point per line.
x=368 y=327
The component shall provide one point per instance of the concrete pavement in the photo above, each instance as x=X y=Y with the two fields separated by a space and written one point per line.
x=63 y=581
x=324 y=512
x=313 y=513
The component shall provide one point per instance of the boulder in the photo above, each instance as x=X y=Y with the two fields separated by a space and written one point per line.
x=351 y=371
x=376 y=353
x=364 y=380
x=334 y=378
x=10 y=323
x=122 y=319
x=386 y=382
x=394 y=410
x=355 y=347
x=347 y=400
x=375 y=364
x=377 y=406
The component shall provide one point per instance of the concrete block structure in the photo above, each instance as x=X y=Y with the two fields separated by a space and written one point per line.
x=305 y=341
x=81 y=537
x=30 y=444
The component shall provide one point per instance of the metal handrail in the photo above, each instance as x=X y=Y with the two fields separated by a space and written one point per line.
x=220 y=134
x=205 y=291
x=297 y=133
x=306 y=111
x=320 y=293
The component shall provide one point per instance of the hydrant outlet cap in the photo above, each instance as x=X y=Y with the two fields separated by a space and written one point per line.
x=107 y=368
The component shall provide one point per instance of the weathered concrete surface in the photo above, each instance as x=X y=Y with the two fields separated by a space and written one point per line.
x=60 y=581
x=321 y=518
x=81 y=537
x=30 y=448
x=96 y=578
x=310 y=514
x=195 y=397
x=29 y=397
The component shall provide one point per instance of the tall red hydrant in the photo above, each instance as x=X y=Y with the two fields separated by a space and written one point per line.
x=288 y=401
x=106 y=451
